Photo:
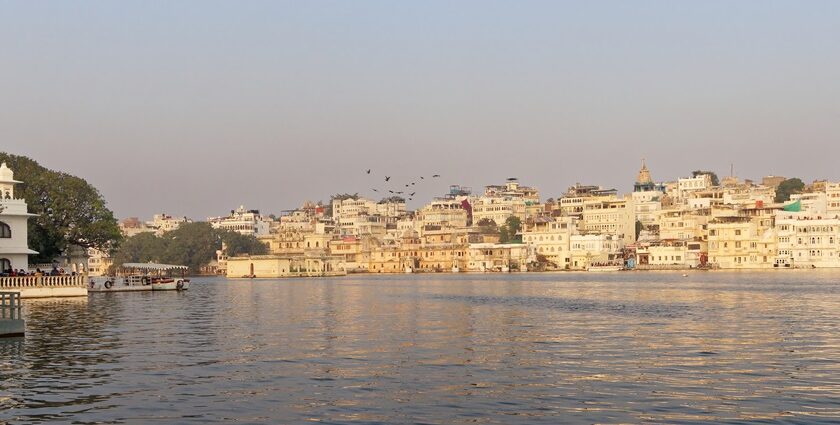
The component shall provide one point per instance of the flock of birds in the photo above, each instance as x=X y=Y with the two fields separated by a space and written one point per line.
x=390 y=186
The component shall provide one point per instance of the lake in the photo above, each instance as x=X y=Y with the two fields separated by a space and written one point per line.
x=437 y=349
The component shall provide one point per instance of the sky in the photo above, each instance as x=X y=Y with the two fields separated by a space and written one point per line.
x=196 y=107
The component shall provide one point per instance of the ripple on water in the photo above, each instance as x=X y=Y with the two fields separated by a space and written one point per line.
x=519 y=348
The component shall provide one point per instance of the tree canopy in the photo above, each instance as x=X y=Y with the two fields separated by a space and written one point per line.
x=69 y=211
x=788 y=187
x=508 y=231
x=192 y=244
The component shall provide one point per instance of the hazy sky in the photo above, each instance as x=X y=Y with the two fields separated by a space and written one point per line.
x=196 y=107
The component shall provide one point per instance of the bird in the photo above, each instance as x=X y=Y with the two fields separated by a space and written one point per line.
x=406 y=185
x=412 y=183
x=375 y=190
x=412 y=193
x=410 y=199
x=421 y=177
x=399 y=193
x=387 y=178
x=390 y=191
x=436 y=175
x=368 y=171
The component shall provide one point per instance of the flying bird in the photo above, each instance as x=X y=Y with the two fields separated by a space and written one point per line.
x=436 y=175
x=412 y=183
x=412 y=193
x=368 y=171
x=375 y=190
x=406 y=185
x=399 y=193
x=387 y=178
x=390 y=191
x=421 y=177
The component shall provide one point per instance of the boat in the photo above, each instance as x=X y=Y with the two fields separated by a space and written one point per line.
x=142 y=277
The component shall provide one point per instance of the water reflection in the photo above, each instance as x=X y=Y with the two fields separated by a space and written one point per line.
x=436 y=349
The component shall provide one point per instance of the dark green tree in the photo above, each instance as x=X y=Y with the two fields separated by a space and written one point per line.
x=69 y=211
x=638 y=229
x=788 y=187
x=508 y=231
x=715 y=180
x=239 y=244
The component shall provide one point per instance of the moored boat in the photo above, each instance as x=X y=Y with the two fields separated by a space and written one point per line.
x=142 y=277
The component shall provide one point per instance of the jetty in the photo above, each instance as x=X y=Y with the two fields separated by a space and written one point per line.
x=11 y=318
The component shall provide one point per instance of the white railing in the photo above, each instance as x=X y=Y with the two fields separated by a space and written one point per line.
x=10 y=307
x=18 y=282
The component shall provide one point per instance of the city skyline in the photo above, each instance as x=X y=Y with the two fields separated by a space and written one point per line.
x=170 y=109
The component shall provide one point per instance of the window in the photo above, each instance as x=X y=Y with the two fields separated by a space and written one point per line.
x=5 y=230
x=5 y=264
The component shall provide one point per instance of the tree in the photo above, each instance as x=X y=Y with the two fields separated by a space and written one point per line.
x=508 y=231
x=487 y=226
x=788 y=187
x=715 y=180
x=192 y=244
x=239 y=244
x=69 y=211
x=638 y=229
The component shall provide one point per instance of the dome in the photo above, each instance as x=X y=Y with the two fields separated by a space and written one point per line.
x=6 y=174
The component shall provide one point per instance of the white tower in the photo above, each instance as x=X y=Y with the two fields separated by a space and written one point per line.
x=14 y=253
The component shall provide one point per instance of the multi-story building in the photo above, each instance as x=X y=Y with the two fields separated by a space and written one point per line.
x=14 y=252
x=741 y=242
x=502 y=201
x=807 y=240
x=551 y=238
x=595 y=250
x=163 y=223
x=498 y=257
x=243 y=221
x=610 y=216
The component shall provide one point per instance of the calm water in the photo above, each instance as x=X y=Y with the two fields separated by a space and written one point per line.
x=532 y=348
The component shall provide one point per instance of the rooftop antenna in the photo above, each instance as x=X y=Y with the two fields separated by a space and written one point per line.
x=732 y=169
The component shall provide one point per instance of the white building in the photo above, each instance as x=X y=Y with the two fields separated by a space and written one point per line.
x=590 y=250
x=163 y=223
x=14 y=252
x=240 y=220
x=806 y=240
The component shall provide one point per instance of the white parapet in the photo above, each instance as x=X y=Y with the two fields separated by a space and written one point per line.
x=45 y=286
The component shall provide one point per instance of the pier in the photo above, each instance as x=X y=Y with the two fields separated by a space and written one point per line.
x=11 y=319
x=45 y=286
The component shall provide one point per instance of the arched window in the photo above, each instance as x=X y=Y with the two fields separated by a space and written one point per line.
x=5 y=230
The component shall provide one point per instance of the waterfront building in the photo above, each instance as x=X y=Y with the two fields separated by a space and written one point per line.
x=647 y=198
x=596 y=249
x=273 y=266
x=743 y=241
x=807 y=240
x=14 y=214
x=443 y=213
x=684 y=223
x=243 y=221
x=551 y=237
x=485 y=257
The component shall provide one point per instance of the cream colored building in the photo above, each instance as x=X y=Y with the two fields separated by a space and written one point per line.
x=485 y=257
x=741 y=242
x=274 y=266
x=611 y=217
x=596 y=249
x=551 y=237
